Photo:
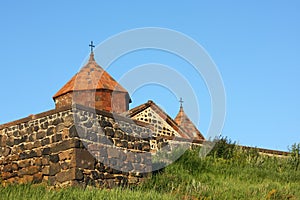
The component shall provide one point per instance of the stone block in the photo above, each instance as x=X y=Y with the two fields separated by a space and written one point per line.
x=13 y=157
x=45 y=141
x=32 y=137
x=37 y=178
x=44 y=125
x=10 y=141
x=113 y=152
x=54 y=169
x=23 y=155
x=24 y=163
x=26 y=179
x=37 y=161
x=119 y=134
x=7 y=175
x=50 y=131
x=14 y=166
x=109 y=132
x=29 y=170
x=68 y=175
x=51 y=180
x=45 y=160
x=32 y=154
x=56 y=138
x=7 y=168
x=56 y=121
x=65 y=155
x=117 y=142
x=65 y=145
x=46 y=151
x=46 y=170
x=146 y=147
x=37 y=144
x=65 y=165
x=5 y=151
x=83 y=159
x=68 y=120
x=59 y=128
x=41 y=134
x=54 y=158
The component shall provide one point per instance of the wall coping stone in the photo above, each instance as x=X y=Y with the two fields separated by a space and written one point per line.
x=76 y=106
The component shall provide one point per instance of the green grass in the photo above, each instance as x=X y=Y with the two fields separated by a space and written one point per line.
x=243 y=175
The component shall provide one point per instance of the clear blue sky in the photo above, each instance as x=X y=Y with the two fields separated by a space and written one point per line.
x=255 y=45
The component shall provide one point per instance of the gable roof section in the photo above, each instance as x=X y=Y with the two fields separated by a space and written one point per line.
x=90 y=77
x=134 y=111
x=187 y=125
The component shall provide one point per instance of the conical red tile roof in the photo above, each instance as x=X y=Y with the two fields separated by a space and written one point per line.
x=187 y=125
x=90 y=77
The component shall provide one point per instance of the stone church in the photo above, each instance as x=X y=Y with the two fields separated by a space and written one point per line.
x=91 y=137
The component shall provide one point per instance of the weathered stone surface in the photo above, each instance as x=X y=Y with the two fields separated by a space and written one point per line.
x=56 y=121
x=146 y=147
x=49 y=149
x=54 y=169
x=50 y=131
x=59 y=128
x=37 y=144
x=68 y=121
x=45 y=160
x=7 y=168
x=65 y=145
x=14 y=166
x=26 y=179
x=29 y=170
x=45 y=141
x=65 y=155
x=44 y=125
x=5 y=151
x=83 y=159
x=56 y=138
x=54 y=158
x=41 y=134
x=46 y=151
x=113 y=152
x=24 y=163
x=71 y=174
x=32 y=154
x=10 y=141
x=7 y=175
x=109 y=131
x=37 y=178
x=46 y=170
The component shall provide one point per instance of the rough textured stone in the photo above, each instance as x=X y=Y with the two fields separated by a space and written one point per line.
x=71 y=174
x=49 y=149
x=29 y=170
x=54 y=169
x=54 y=158
x=40 y=134
x=83 y=159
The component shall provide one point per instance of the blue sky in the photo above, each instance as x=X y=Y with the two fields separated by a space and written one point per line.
x=255 y=45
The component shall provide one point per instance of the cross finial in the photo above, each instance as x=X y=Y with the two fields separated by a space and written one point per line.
x=92 y=46
x=181 y=101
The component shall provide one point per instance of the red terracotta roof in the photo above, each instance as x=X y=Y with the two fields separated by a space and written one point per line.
x=90 y=77
x=187 y=125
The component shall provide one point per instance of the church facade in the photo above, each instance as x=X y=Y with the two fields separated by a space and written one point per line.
x=91 y=137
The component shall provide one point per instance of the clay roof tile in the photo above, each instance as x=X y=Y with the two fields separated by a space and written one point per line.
x=90 y=77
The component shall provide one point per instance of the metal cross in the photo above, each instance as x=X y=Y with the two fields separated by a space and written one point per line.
x=92 y=46
x=181 y=101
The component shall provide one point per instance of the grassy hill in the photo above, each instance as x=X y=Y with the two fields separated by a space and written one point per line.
x=229 y=172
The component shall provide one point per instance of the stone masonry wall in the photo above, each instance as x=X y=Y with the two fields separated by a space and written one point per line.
x=74 y=146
